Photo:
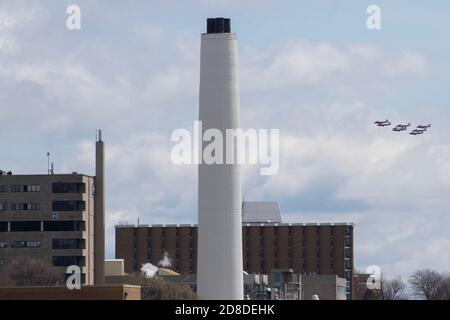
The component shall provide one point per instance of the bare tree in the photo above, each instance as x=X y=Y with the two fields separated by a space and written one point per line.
x=430 y=284
x=30 y=272
x=390 y=289
x=393 y=289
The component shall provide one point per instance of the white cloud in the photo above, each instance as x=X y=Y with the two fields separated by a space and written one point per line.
x=298 y=64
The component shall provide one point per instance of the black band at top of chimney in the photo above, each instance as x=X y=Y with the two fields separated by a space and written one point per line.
x=218 y=25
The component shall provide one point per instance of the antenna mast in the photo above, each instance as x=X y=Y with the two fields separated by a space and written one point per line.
x=48 y=163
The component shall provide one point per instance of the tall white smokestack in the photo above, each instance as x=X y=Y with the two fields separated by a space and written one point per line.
x=219 y=271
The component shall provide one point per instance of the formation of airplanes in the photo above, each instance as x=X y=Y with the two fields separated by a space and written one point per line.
x=403 y=127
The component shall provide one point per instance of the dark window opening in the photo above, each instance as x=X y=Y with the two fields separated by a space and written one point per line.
x=68 y=244
x=65 y=261
x=69 y=206
x=3 y=226
x=69 y=187
x=25 y=226
x=64 y=226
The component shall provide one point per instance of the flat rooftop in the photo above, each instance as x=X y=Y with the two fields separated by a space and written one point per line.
x=46 y=175
x=262 y=224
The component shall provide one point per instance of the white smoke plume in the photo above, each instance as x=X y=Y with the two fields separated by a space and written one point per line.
x=149 y=270
x=166 y=261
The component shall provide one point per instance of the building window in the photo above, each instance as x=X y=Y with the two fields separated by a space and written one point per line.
x=347 y=242
x=348 y=275
x=68 y=244
x=64 y=226
x=25 y=244
x=68 y=187
x=18 y=244
x=3 y=244
x=68 y=206
x=348 y=264
x=3 y=206
x=25 y=226
x=347 y=230
x=30 y=206
x=347 y=253
x=3 y=226
x=25 y=188
x=3 y=189
x=65 y=261
x=33 y=244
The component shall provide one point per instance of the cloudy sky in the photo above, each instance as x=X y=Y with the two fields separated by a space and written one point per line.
x=310 y=68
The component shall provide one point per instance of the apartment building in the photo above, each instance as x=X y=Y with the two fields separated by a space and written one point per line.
x=305 y=248
x=49 y=217
x=58 y=218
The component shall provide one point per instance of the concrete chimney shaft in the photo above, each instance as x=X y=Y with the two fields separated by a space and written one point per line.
x=220 y=266
x=99 y=212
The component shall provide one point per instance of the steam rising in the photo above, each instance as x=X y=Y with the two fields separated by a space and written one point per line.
x=166 y=261
x=149 y=270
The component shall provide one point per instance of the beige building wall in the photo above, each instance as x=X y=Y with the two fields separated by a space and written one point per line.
x=45 y=198
x=114 y=267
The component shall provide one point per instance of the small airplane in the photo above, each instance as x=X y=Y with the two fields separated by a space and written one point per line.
x=416 y=132
x=383 y=123
x=424 y=127
x=401 y=127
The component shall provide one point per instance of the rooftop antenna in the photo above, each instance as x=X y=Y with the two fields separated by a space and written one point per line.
x=48 y=162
